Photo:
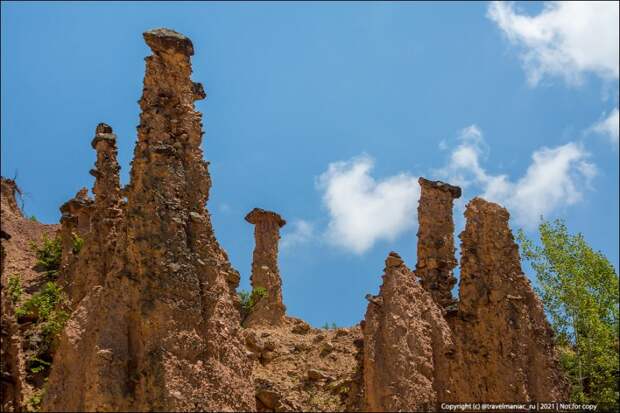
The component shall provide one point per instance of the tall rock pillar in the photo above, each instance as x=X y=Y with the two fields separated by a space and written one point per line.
x=160 y=330
x=436 y=258
x=501 y=325
x=265 y=274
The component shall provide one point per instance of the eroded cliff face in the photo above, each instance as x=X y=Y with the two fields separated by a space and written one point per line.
x=495 y=345
x=269 y=309
x=157 y=327
x=18 y=341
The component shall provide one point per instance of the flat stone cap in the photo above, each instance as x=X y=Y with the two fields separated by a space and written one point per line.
x=480 y=206
x=393 y=260
x=166 y=40
x=455 y=191
x=103 y=132
x=258 y=214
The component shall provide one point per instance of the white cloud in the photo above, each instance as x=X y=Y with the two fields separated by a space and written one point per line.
x=566 y=39
x=301 y=232
x=609 y=126
x=363 y=210
x=555 y=177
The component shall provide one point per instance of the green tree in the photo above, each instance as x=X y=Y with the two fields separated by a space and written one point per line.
x=579 y=289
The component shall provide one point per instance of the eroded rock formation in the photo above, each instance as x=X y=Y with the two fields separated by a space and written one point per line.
x=494 y=346
x=406 y=345
x=158 y=328
x=155 y=322
x=436 y=239
x=265 y=273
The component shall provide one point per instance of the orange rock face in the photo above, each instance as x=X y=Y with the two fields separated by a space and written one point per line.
x=157 y=328
x=270 y=309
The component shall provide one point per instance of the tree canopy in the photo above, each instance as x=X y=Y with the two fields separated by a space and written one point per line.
x=579 y=289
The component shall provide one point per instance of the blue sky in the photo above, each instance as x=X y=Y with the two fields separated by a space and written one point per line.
x=327 y=113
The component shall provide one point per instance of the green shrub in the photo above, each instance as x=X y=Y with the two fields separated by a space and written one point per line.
x=78 y=243
x=33 y=403
x=47 y=307
x=249 y=300
x=37 y=365
x=33 y=218
x=49 y=253
x=327 y=326
x=15 y=288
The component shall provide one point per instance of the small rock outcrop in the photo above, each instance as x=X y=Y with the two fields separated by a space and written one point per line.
x=265 y=273
x=74 y=223
x=436 y=239
x=406 y=343
x=157 y=327
x=501 y=325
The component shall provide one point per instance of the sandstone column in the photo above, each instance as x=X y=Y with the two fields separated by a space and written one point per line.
x=265 y=274
x=436 y=239
x=106 y=172
x=505 y=343
x=98 y=223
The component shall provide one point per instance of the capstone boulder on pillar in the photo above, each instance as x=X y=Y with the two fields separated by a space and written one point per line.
x=269 y=309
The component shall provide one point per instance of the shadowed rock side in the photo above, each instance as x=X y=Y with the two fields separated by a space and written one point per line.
x=9 y=363
x=436 y=239
x=159 y=330
x=505 y=345
x=406 y=345
x=18 y=261
x=265 y=274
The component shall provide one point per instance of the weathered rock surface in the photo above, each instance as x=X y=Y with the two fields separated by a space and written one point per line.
x=158 y=328
x=292 y=372
x=270 y=309
x=406 y=343
x=436 y=239
x=500 y=328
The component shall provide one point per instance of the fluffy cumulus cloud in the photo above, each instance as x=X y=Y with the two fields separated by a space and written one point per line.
x=609 y=126
x=556 y=177
x=300 y=232
x=363 y=210
x=565 y=39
